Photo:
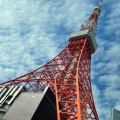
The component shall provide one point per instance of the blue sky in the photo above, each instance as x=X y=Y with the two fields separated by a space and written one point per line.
x=34 y=31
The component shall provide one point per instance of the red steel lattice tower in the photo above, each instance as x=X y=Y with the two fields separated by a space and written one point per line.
x=68 y=74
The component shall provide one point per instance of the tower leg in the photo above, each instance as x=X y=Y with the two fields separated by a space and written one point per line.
x=68 y=76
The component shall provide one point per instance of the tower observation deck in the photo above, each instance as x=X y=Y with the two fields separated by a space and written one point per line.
x=68 y=75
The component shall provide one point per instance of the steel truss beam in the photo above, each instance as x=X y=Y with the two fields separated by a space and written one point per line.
x=68 y=75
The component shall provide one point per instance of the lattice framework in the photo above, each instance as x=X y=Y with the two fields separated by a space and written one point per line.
x=68 y=75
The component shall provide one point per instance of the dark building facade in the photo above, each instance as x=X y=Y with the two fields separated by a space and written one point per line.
x=27 y=105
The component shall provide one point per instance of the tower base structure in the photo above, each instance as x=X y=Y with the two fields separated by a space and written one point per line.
x=69 y=78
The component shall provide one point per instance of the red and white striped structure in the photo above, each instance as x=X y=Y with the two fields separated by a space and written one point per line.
x=68 y=74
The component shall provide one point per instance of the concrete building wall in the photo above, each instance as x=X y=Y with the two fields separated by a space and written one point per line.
x=115 y=114
x=33 y=106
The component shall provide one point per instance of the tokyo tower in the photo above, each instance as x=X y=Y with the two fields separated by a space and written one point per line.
x=68 y=74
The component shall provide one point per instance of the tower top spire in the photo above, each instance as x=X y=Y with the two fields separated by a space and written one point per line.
x=88 y=29
x=100 y=3
x=92 y=20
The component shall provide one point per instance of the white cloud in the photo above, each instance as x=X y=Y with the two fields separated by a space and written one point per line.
x=106 y=62
x=30 y=32
x=103 y=108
